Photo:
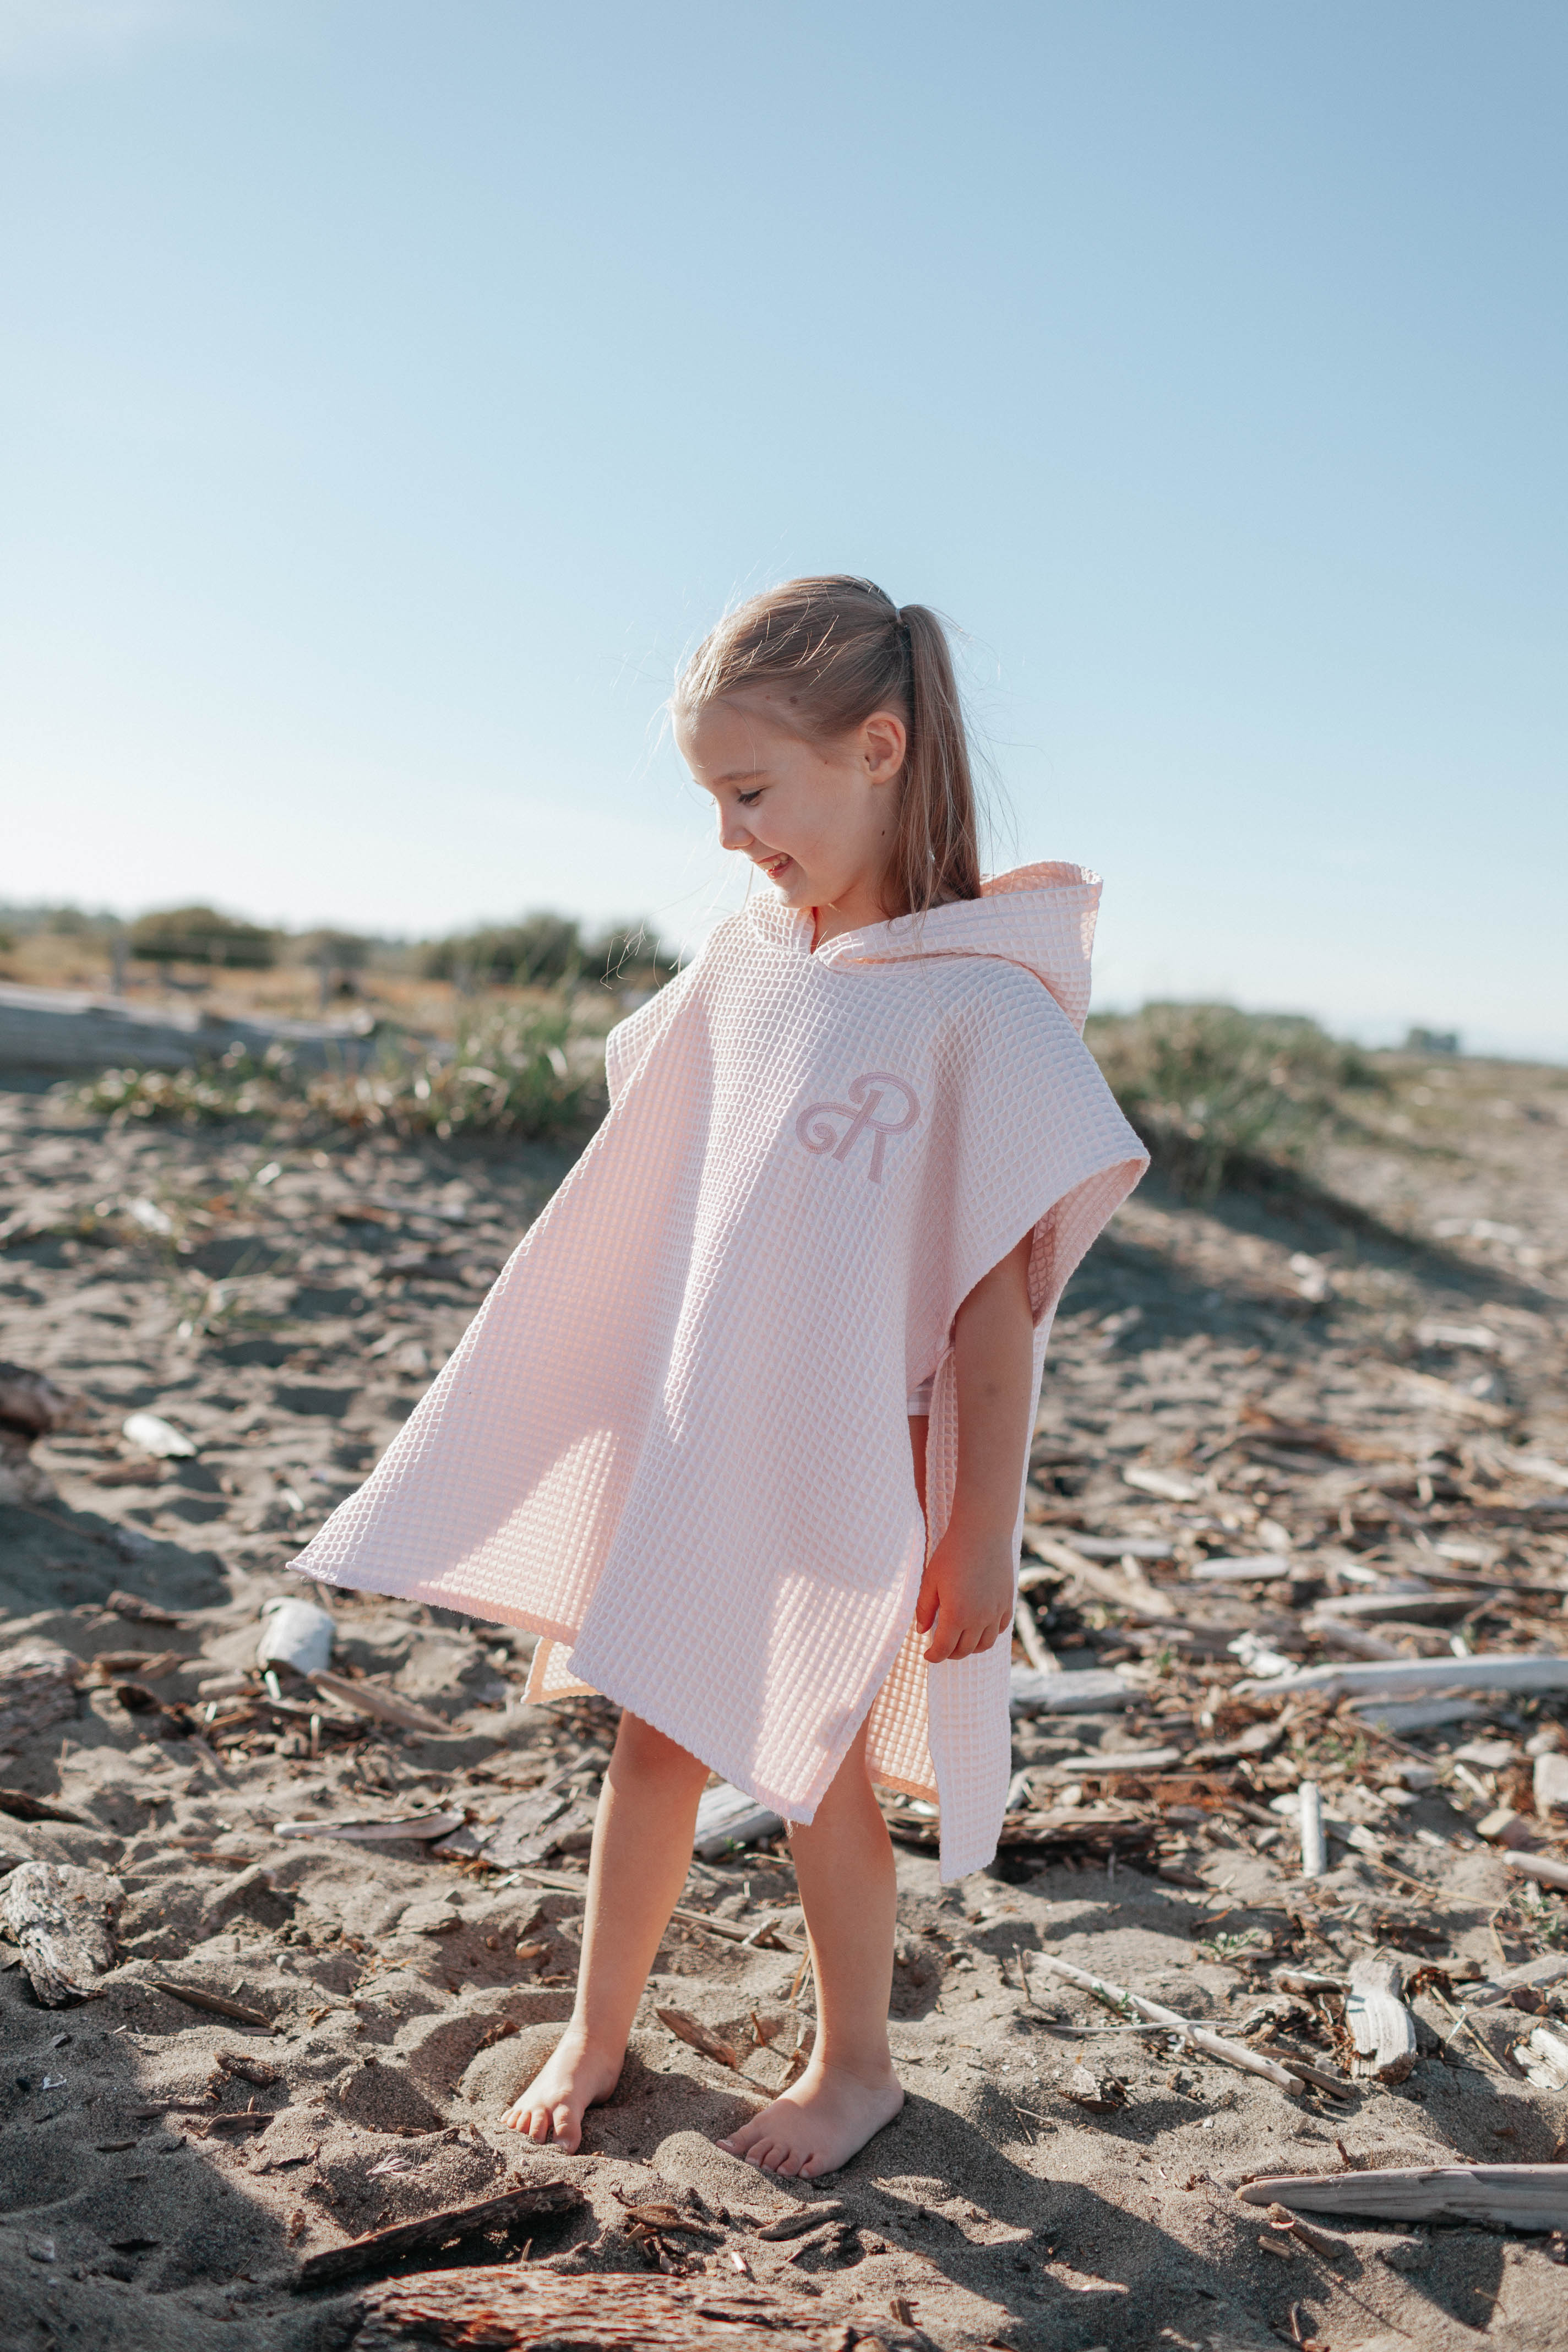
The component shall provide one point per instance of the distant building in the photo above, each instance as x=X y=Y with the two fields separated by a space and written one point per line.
x=1431 y=1041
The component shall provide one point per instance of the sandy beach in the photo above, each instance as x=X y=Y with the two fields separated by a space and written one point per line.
x=1062 y=2176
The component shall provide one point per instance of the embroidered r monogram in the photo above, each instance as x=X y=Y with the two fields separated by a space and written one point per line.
x=817 y=1130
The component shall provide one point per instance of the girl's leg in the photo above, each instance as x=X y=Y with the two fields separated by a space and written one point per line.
x=848 y=1890
x=844 y=1864
x=642 y=1852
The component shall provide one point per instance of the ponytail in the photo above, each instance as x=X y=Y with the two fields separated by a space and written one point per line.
x=937 y=853
x=839 y=650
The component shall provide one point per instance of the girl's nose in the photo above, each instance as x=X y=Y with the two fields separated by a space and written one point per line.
x=733 y=832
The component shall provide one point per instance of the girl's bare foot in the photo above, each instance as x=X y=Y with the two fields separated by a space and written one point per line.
x=574 y=2077
x=819 y=2123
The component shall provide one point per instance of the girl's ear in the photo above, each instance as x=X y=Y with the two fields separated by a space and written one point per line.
x=884 y=741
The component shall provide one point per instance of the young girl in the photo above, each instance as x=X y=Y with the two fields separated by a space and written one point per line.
x=853 y=1153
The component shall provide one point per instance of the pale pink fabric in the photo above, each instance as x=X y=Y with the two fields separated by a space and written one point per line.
x=673 y=1440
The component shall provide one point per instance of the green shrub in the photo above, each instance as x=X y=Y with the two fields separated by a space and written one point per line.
x=200 y=935
x=338 y=950
x=543 y=950
x=1215 y=1092
x=537 y=953
x=518 y=1070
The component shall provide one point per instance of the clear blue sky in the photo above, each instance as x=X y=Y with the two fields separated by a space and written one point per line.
x=392 y=391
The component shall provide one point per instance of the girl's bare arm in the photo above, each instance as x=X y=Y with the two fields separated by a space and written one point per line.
x=967 y=1595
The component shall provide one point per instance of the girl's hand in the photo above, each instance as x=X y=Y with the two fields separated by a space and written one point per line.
x=966 y=1597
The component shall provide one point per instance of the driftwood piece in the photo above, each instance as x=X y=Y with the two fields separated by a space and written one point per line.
x=1401 y=1716
x=1257 y=1568
x=1403 y=1679
x=1099 y=1830
x=1313 y=1854
x=526 y=2201
x=1551 y=1785
x=142 y=1612
x=1128 y=1589
x=1109 y=1764
x=1542 y=2059
x=803 y=2217
x=360 y=1830
x=1392 y=1608
x=764 y=1933
x=691 y=2030
x=515 y=1846
x=385 y=1705
x=1530 y=1976
x=1036 y=1647
x=506 y=2306
x=1234 y=2054
x=38 y=1688
x=23 y=1806
x=1523 y=2196
x=72 y=1029
x=1101 y=2095
x=260 y=2071
x=218 y=2004
x=1381 y=2026
x=1540 y=1866
x=1078 y=1691
x=63 y=1918
x=515 y=1835
x=726 y=1817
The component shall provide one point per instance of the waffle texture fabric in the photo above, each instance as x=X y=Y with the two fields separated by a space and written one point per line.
x=673 y=1441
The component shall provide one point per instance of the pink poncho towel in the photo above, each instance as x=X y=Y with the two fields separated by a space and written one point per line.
x=673 y=1440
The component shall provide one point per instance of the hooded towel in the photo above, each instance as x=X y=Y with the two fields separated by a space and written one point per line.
x=673 y=1441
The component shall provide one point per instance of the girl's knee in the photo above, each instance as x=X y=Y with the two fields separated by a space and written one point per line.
x=648 y=1753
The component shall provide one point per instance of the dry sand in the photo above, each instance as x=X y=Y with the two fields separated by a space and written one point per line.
x=412 y=1995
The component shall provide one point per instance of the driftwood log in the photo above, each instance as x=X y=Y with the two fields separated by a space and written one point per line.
x=1405 y=1678
x=69 y=1029
x=64 y=1920
x=1521 y=2195
x=506 y=2306
x=1381 y=2026
x=1072 y=1692
x=525 y=2201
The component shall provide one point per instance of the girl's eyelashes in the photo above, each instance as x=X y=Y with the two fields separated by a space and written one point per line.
x=749 y=800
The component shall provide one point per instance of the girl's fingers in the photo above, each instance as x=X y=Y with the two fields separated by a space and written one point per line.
x=953 y=1637
x=943 y=1634
x=926 y=1605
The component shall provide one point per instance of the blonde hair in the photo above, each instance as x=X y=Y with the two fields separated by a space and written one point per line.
x=835 y=650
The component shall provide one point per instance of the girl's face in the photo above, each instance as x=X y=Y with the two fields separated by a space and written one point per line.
x=818 y=819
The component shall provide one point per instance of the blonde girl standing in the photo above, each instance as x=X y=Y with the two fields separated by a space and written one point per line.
x=741 y=1431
